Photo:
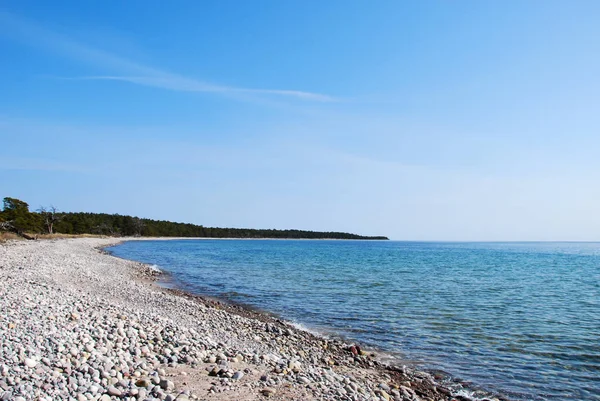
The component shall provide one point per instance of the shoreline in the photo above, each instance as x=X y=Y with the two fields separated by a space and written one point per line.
x=257 y=355
x=381 y=358
x=163 y=281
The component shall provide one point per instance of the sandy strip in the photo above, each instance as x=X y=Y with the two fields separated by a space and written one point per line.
x=77 y=323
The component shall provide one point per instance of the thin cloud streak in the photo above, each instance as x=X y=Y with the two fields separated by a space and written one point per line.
x=133 y=72
x=183 y=84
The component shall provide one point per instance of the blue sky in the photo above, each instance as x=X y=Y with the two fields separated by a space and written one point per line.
x=438 y=120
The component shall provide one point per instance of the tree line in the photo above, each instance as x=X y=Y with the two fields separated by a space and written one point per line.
x=16 y=217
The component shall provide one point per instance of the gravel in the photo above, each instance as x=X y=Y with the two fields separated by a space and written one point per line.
x=79 y=324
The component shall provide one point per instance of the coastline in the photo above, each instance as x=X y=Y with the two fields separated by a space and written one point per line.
x=216 y=350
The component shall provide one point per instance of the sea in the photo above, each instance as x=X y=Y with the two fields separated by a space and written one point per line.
x=514 y=320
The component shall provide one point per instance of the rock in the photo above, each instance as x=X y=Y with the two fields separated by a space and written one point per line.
x=113 y=391
x=406 y=392
x=158 y=393
x=383 y=394
x=105 y=397
x=237 y=375
x=30 y=363
x=268 y=391
x=167 y=385
x=143 y=383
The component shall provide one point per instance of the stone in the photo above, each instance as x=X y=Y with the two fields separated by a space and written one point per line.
x=30 y=363
x=143 y=383
x=166 y=385
x=237 y=375
x=114 y=391
x=268 y=391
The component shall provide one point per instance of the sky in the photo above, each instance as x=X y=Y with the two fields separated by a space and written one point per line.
x=433 y=120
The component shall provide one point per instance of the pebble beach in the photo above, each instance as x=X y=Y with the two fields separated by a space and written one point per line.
x=79 y=324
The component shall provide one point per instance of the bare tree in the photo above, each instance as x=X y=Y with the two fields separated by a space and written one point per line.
x=6 y=226
x=51 y=216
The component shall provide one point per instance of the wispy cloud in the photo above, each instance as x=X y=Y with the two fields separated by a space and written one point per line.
x=126 y=70
x=184 y=84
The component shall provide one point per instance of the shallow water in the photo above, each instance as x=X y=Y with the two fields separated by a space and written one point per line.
x=517 y=319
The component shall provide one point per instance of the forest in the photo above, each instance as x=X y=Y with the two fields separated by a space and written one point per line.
x=17 y=218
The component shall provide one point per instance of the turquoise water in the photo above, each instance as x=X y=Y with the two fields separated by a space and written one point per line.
x=520 y=320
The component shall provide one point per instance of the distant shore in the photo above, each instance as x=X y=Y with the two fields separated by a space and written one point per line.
x=83 y=324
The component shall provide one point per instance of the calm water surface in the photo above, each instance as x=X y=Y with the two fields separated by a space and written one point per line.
x=516 y=319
